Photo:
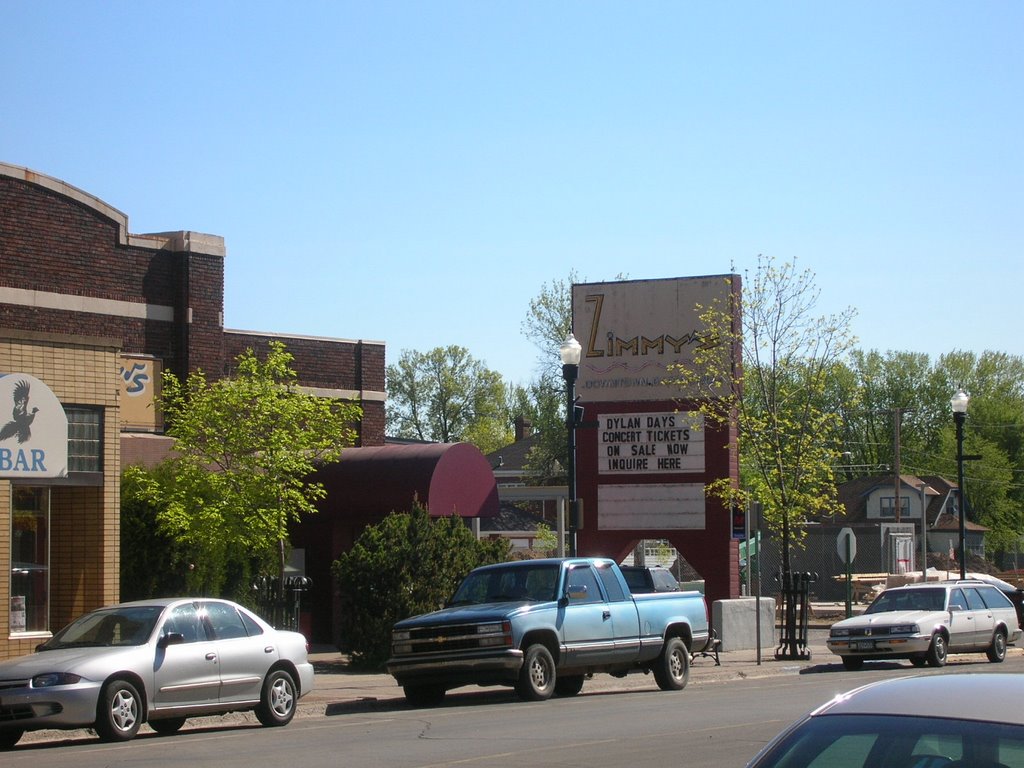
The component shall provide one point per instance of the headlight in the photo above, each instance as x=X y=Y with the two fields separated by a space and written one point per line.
x=51 y=679
x=904 y=629
x=498 y=634
x=487 y=629
x=400 y=634
x=839 y=633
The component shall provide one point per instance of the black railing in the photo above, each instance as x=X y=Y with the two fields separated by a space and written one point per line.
x=280 y=607
x=795 y=610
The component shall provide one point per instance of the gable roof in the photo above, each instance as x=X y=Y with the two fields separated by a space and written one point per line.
x=853 y=494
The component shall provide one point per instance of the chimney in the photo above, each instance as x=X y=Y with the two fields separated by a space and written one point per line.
x=524 y=428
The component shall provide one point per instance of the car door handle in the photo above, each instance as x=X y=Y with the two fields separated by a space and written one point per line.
x=606 y=615
x=211 y=656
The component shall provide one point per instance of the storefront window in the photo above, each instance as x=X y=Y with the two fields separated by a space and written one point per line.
x=30 y=560
x=85 y=434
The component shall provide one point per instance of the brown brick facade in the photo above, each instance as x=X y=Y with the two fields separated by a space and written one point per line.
x=84 y=521
x=72 y=274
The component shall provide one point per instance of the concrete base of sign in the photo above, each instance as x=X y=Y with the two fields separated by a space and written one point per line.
x=735 y=621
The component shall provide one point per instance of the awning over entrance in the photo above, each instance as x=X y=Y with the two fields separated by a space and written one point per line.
x=448 y=478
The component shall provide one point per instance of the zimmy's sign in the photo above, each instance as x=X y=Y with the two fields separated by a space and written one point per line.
x=632 y=331
x=33 y=429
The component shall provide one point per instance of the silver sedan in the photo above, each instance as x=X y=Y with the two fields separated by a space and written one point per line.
x=156 y=661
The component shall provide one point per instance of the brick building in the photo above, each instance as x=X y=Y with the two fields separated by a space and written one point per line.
x=90 y=314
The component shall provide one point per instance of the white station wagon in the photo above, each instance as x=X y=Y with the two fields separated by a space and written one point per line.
x=925 y=622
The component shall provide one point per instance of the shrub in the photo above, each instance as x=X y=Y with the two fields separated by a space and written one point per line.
x=405 y=565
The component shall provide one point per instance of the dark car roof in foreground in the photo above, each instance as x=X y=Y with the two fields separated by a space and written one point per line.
x=968 y=696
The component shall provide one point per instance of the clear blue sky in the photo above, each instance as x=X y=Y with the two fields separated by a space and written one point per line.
x=415 y=172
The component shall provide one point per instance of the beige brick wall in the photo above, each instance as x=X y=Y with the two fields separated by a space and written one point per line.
x=84 y=520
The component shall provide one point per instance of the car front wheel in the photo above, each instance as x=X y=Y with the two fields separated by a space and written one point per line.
x=997 y=651
x=118 y=715
x=937 y=651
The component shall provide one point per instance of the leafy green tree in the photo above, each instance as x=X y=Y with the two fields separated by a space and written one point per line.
x=245 y=448
x=446 y=395
x=789 y=443
x=993 y=430
x=155 y=564
x=405 y=565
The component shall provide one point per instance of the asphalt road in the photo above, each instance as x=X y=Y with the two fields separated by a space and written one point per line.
x=715 y=723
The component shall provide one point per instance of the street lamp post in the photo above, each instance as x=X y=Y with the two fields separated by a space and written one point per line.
x=959 y=405
x=571 y=351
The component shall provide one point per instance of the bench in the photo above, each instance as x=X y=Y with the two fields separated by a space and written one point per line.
x=711 y=649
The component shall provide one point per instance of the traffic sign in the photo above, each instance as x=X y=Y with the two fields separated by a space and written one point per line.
x=846 y=545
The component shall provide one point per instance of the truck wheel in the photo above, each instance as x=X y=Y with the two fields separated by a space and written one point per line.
x=568 y=685
x=937 y=651
x=537 y=677
x=424 y=695
x=672 y=668
x=997 y=651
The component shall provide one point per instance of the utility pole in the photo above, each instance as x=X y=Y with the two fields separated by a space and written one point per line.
x=896 y=461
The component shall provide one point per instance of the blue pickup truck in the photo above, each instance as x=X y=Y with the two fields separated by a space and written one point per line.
x=543 y=626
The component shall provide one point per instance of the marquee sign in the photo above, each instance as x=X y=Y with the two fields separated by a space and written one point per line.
x=633 y=331
x=650 y=443
x=33 y=429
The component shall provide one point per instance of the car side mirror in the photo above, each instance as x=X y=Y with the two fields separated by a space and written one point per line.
x=171 y=638
x=955 y=608
x=576 y=592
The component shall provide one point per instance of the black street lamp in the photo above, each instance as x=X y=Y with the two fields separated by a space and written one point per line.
x=959 y=405
x=571 y=351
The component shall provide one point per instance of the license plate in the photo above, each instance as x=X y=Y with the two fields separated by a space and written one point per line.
x=863 y=645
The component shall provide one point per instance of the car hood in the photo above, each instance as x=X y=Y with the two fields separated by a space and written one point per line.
x=890 y=617
x=470 y=614
x=81 y=661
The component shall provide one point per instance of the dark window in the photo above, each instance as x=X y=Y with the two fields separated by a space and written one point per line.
x=611 y=584
x=887 y=507
x=185 y=619
x=957 y=600
x=250 y=625
x=974 y=600
x=994 y=598
x=583 y=585
x=85 y=439
x=225 y=621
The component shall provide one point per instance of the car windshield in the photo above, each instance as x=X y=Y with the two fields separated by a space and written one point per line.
x=908 y=600
x=514 y=582
x=119 y=626
x=888 y=741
